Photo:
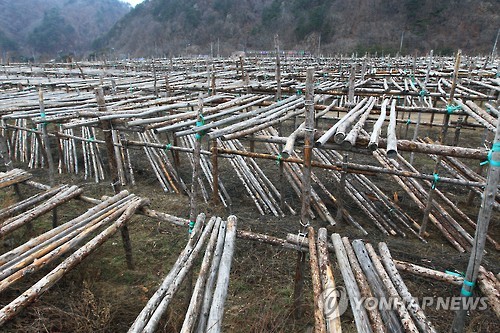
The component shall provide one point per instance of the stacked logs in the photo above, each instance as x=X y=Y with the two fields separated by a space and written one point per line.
x=206 y=307
x=371 y=276
x=14 y=176
x=63 y=194
x=108 y=216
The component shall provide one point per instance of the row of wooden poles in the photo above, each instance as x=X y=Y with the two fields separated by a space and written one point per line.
x=169 y=175
x=17 y=262
x=308 y=125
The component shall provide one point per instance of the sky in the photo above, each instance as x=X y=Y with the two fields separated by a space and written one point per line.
x=133 y=2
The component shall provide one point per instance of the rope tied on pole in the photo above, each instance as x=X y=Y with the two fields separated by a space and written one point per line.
x=423 y=93
x=450 y=108
x=465 y=292
x=191 y=226
x=435 y=181
x=489 y=158
x=279 y=158
x=168 y=146
x=200 y=123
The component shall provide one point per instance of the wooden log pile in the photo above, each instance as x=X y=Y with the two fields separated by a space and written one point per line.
x=374 y=277
x=105 y=219
x=206 y=308
x=14 y=176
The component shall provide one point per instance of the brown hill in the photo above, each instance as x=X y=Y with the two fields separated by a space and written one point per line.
x=172 y=27
x=31 y=28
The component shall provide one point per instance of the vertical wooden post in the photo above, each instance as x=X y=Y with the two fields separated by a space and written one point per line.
x=106 y=126
x=278 y=68
x=280 y=125
x=352 y=77
x=441 y=140
x=215 y=172
x=193 y=203
x=483 y=221
x=421 y=100
x=213 y=81
x=341 y=192
x=155 y=88
x=48 y=153
x=306 y=186
x=319 y=304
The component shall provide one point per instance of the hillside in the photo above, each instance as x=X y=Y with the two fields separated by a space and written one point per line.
x=33 y=28
x=172 y=27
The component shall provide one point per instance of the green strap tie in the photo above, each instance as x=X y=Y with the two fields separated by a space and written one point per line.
x=279 y=158
x=299 y=92
x=91 y=139
x=469 y=283
x=436 y=179
x=191 y=227
x=408 y=122
x=489 y=159
x=200 y=123
x=465 y=292
x=455 y=274
x=423 y=93
x=450 y=108
x=168 y=146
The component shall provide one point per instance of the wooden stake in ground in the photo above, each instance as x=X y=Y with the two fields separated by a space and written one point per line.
x=483 y=221
x=113 y=168
x=319 y=304
x=306 y=185
x=441 y=140
x=46 y=144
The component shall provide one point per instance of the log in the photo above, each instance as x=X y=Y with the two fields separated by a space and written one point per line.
x=428 y=273
x=181 y=273
x=16 y=222
x=214 y=323
x=392 y=146
x=211 y=280
x=14 y=307
x=389 y=316
x=319 y=303
x=490 y=287
x=364 y=287
x=330 y=308
x=328 y=134
x=143 y=318
x=360 y=315
x=411 y=304
x=195 y=304
x=406 y=319
x=377 y=128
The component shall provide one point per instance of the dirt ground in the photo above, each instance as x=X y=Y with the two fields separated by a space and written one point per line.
x=102 y=295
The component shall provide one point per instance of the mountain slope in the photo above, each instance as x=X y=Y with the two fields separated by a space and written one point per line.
x=52 y=27
x=159 y=27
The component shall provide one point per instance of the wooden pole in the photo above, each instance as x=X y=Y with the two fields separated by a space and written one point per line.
x=319 y=317
x=278 y=68
x=306 y=187
x=444 y=130
x=106 y=126
x=483 y=221
x=48 y=153
x=215 y=172
x=214 y=322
